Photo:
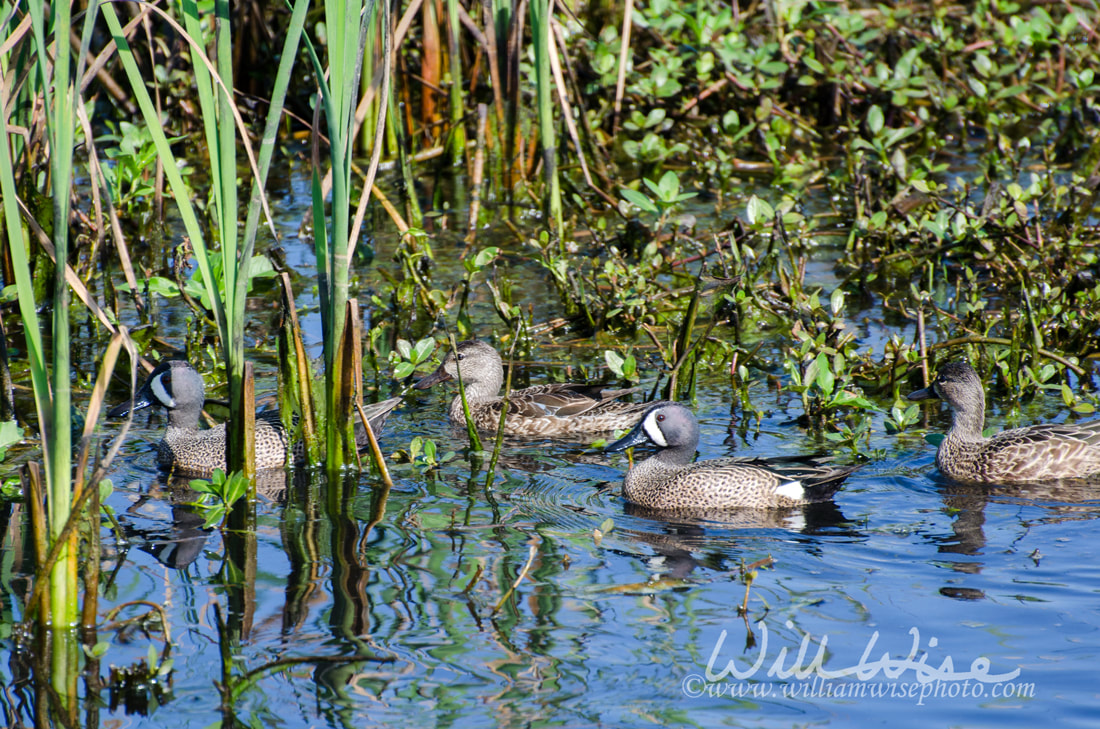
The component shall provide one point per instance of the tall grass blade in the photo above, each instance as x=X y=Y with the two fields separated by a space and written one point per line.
x=58 y=95
x=457 y=141
x=540 y=34
x=347 y=24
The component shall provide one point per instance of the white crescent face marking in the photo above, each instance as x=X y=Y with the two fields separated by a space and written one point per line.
x=162 y=393
x=792 y=490
x=654 y=431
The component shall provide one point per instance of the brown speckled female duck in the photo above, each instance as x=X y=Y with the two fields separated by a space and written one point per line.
x=542 y=410
x=669 y=479
x=188 y=451
x=1036 y=453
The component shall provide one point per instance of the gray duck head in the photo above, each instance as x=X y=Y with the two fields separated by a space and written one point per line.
x=480 y=365
x=175 y=386
x=959 y=386
x=669 y=426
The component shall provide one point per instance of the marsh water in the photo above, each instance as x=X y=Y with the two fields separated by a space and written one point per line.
x=907 y=601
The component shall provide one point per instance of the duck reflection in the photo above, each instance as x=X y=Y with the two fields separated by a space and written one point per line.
x=688 y=538
x=1059 y=501
x=162 y=522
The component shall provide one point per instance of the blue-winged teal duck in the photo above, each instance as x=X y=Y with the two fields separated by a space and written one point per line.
x=670 y=480
x=179 y=388
x=542 y=410
x=1036 y=453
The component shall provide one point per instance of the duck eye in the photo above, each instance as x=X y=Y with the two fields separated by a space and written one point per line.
x=460 y=357
x=660 y=417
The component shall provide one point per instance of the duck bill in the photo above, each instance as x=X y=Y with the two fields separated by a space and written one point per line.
x=928 y=393
x=637 y=436
x=440 y=375
x=142 y=399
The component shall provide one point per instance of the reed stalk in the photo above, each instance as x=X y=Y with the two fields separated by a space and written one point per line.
x=52 y=85
x=457 y=140
x=347 y=23
x=471 y=429
x=544 y=94
x=412 y=204
x=221 y=119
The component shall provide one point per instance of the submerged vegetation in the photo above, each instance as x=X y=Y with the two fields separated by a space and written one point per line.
x=670 y=168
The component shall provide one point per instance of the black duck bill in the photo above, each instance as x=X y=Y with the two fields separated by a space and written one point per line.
x=636 y=436
x=926 y=393
x=145 y=396
x=440 y=375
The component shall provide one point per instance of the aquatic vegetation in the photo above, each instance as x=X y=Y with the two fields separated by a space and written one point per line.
x=219 y=495
x=424 y=455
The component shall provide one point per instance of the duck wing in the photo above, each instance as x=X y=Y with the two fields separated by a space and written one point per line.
x=807 y=469
x=1049 y=450
x=560 y=400
x=749 y=483
x=377 y=413
x=1085 y=434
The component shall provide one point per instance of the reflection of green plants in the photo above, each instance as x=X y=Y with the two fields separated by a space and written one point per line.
x=748 y=574
x=146 y=682
x=219 y=494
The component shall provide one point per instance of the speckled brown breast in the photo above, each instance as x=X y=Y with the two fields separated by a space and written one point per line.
x=200 y=452
x=714 y=484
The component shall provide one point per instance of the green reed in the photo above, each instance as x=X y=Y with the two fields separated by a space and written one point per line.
x=221 y=121
x=544 y=91
x=50 y=82
x=347 y=26
x=457 y=140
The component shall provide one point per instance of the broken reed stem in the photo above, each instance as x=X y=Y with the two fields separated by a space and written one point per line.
x=375 y=451
x=624 y=54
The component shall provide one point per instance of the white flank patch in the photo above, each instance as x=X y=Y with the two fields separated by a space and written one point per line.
x=792 y=490
x=654 y=431
x=162 y=393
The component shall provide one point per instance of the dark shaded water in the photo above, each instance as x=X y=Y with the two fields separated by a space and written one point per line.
x=984 y=602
